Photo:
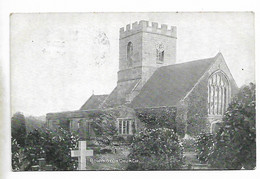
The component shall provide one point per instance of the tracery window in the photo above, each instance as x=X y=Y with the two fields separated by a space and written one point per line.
x=218 y=93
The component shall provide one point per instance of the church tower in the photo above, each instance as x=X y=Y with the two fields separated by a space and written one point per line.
x=142 y=49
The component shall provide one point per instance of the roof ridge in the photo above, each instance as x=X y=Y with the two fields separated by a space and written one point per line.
x=201 y=76
x=174 y=80
x=97 y=98
x=211 y=58
x=100 y=94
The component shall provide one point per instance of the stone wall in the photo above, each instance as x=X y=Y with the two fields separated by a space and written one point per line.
x=144 y=26
x=130 y=72
x=150 y=42
x=181 y=118
x=197 y=100
x=145 y=38
x=197 y=109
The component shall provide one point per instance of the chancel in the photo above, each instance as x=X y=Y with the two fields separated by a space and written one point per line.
x=150 y=78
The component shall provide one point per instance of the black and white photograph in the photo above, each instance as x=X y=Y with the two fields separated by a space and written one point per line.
x=132 y=91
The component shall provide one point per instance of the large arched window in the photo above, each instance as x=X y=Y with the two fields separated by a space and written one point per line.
x=218 y=93
x=130 y=54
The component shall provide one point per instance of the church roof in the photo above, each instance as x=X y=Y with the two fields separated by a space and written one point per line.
x=169 y=84
x=93 y=102
x=114 y=99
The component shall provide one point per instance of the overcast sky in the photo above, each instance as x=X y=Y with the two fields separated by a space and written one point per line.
x=59 y=60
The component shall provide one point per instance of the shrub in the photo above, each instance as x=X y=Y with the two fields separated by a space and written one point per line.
x=189 y=144
x=104 y=127
x=54 y=146
x=204 y=146
x=156 y=149
x=158 y=117
x=236 y=140
x=18 y=156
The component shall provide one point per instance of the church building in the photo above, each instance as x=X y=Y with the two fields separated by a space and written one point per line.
x=150 y=78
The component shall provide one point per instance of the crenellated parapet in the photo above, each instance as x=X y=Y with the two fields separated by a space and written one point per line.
x=144 y=26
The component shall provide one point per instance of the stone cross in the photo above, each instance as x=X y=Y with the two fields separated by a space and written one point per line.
x=82 y=153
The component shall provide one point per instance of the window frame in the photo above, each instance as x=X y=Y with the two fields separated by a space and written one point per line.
x=160 y=53
x=218 y=93
x=129 y=53
x=125 y=126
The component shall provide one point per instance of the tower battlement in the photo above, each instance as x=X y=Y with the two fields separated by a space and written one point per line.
x=144 y=26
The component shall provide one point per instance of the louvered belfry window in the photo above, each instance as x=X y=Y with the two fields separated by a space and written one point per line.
x=159 y=53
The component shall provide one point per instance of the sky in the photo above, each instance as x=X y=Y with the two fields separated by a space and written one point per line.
x=58 y=60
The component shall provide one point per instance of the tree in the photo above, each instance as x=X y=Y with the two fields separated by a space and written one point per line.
x=235 y=145
x=18 y=157
x=34 y=122
x=18 y=128
x=54 y=146
x=156 y=149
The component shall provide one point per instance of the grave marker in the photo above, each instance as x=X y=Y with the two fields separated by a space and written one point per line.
x=82 y=153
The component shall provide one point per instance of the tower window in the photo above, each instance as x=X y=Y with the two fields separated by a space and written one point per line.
x=129 y=54
x=159 y=53
x=160 y=56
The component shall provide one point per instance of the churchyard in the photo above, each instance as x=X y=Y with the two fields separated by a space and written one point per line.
x=157 y=112
x=155 y=148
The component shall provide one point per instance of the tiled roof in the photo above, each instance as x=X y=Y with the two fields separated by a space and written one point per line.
x=93 y=102
x=169 y=84
x=115 y=98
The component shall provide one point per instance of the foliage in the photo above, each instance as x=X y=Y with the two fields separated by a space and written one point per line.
x=156 y=149
x=204 y=146
x=158 y=117
x=235 y=142
x=197 y=110
x=180 y=125
x=18 y=157
x=104 y=127
x=188 y=144
x=55 y=146
x=33 y=122
x=18 y=128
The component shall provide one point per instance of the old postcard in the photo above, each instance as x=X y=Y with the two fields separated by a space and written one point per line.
x=133 y=91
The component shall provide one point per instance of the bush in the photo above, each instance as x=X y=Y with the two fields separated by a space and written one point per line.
x=104 y=127
x=189 y=144
x=18 y=157
x=204 y=146
x=156 y=149
x=158 y=117
x=235 y=145
x=55 y=147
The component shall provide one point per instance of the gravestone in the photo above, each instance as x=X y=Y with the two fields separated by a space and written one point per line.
x=82 y=153
x=42 y=166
